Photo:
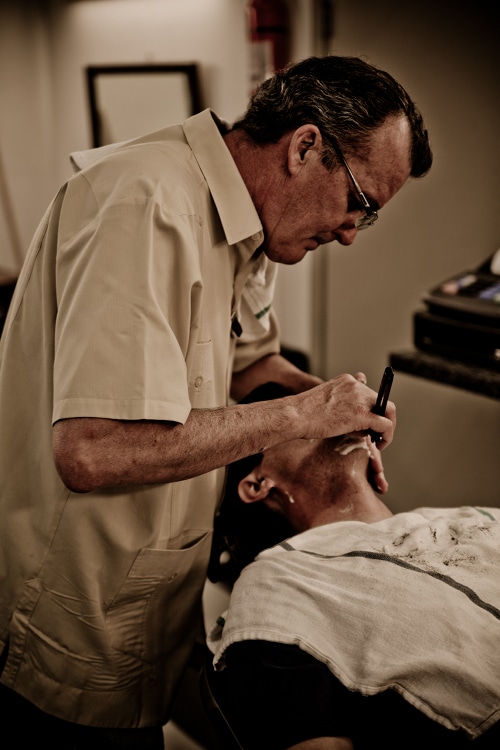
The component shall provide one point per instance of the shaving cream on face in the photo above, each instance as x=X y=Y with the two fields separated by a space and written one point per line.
x=350 y=443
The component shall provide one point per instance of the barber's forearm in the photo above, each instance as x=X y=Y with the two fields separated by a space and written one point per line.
x=273 y=368
x=93 y=453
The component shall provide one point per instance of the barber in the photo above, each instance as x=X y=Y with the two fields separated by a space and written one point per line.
x=145 y=301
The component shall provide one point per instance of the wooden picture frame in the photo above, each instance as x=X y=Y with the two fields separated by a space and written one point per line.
x=127 y=101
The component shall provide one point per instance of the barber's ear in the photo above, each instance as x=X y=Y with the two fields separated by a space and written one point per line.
x=305 y=141
x=253 y=488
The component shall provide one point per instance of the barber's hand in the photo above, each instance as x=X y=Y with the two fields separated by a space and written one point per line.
x=344 y=405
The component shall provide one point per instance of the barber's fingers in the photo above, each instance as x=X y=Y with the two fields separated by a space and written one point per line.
x=376 y=474
x=343 y=405
x=390 y=412
x=387 y=425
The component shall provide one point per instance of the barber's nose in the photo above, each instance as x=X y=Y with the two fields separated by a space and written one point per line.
x=346 y=235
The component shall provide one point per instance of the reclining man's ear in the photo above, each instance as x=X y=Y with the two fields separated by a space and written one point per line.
x=253 y=487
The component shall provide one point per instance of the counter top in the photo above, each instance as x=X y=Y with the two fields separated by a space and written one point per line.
x=469 y=377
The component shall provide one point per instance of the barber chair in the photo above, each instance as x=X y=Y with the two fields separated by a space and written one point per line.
x=212 y=697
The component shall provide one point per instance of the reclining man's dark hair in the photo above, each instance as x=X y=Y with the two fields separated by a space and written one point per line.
x=345 y=97
x=241 y=531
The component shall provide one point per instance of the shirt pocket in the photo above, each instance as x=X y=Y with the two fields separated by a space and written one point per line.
x=157 y=609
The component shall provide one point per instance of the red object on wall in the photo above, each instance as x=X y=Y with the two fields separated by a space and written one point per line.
x=269 y=37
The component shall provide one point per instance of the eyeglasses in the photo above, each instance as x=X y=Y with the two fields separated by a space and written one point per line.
x=371 y=214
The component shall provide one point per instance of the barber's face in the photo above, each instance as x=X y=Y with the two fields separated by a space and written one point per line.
x=315 y=206
x=318 y=210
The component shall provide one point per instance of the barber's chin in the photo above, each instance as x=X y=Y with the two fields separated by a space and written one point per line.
x=312 y=245
x=288 y=255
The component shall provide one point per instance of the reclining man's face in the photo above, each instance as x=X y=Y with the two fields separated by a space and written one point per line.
x=303 y=469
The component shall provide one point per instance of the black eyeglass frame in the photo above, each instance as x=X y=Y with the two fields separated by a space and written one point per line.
x=371 y=215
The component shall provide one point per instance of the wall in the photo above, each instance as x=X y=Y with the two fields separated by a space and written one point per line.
x=446 y=445
x=26 y=125
x=44 y=49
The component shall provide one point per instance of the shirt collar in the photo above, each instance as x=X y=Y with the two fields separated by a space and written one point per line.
x=203 y=132
x=81 y=159
x=237 y=212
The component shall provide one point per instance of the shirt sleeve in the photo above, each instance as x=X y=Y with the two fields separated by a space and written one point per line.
x=125 y=277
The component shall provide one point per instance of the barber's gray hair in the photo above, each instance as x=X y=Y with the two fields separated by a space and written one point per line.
x=345 y=97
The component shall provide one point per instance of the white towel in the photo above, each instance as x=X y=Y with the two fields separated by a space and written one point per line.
x=410 y=603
